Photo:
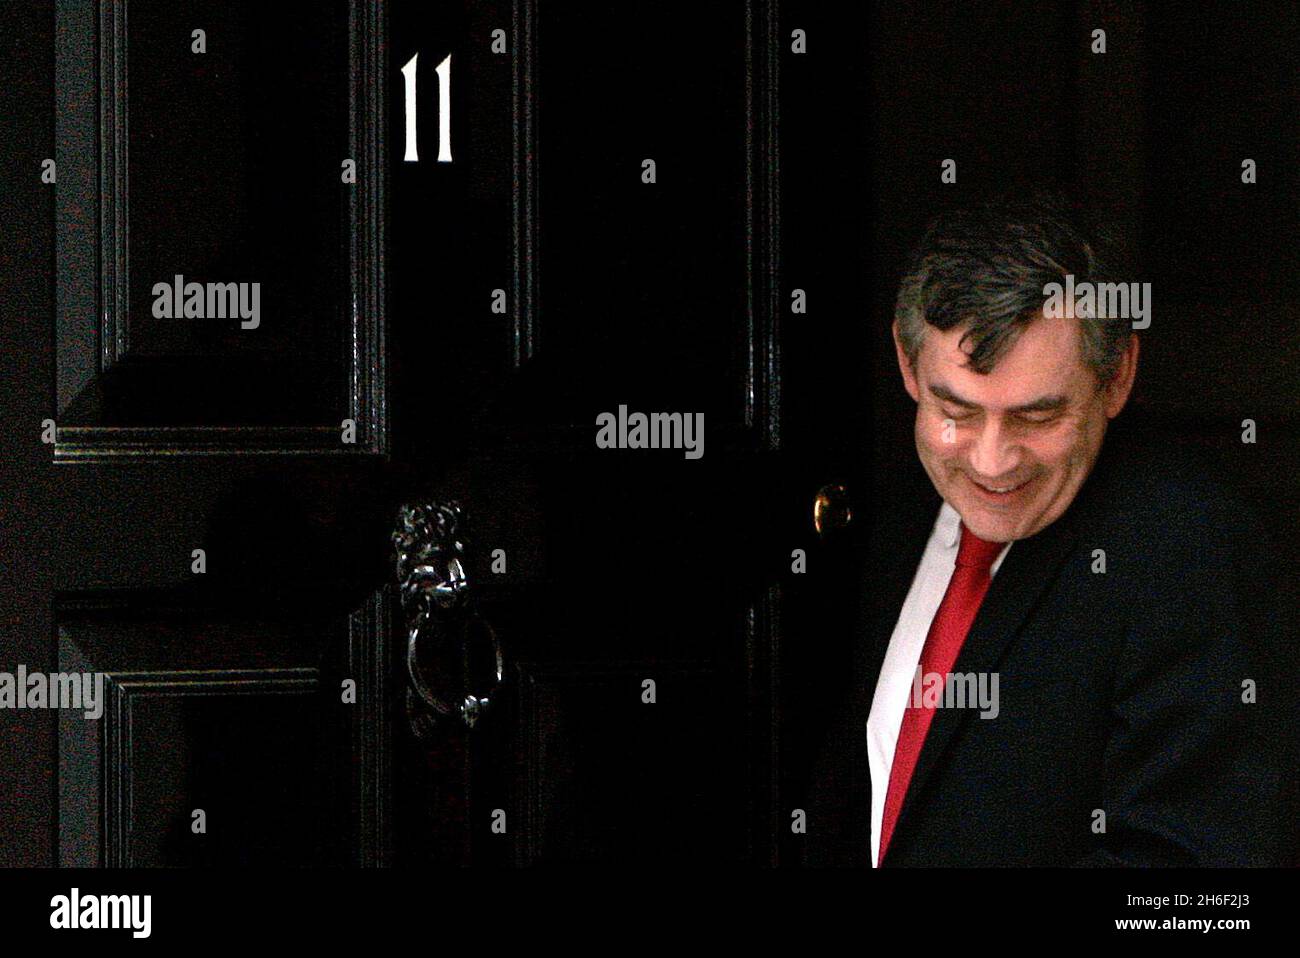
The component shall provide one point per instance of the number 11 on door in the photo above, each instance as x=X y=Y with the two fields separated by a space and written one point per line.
x=444 y=110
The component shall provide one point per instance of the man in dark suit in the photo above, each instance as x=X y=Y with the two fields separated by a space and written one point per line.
x=1100 y=600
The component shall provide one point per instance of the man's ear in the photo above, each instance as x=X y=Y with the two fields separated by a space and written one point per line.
x=1118 y=389
x=905 y=367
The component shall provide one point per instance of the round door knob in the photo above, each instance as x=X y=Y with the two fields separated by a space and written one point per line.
x=831 y=509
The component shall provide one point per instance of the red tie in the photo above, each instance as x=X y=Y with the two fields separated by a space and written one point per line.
x=970 y=580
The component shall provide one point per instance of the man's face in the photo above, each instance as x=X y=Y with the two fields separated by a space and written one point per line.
x=1010 y=450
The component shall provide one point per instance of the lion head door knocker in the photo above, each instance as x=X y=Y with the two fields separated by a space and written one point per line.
x=444 y=629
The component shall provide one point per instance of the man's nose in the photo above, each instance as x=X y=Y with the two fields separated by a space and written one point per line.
x=994 y=454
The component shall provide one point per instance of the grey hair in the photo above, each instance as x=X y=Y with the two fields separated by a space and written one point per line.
x=985 y=268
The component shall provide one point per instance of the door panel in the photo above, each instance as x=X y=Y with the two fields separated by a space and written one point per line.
x=220 y=283
x=643 y=285
x=225 y=738
x=642 y=783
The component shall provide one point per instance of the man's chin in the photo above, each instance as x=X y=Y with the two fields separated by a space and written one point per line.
x=995 y=532
x=988 y=525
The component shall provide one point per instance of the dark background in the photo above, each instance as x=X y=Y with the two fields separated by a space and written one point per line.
x=1151 y=134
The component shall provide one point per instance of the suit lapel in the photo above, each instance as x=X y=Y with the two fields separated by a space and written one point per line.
x=1029 y=568
x=888 y=562
x=897 y=545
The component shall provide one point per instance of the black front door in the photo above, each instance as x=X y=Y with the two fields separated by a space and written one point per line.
x=411 y=466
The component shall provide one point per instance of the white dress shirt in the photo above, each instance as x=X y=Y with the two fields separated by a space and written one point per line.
x=904 y=655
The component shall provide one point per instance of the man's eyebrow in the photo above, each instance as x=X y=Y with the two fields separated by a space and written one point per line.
x=1042 y=404
x=947 y=395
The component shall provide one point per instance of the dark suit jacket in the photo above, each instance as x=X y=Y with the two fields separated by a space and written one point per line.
x=1119 y=691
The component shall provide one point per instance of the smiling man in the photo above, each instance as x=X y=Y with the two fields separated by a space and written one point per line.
x=1010 y=447
x=1111 y=590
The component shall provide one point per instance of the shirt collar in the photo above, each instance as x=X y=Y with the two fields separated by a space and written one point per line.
x=949 y=523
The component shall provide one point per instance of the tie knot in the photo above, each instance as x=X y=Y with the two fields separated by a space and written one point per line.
x=976 y=552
